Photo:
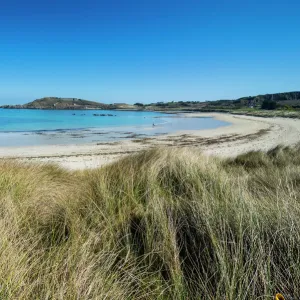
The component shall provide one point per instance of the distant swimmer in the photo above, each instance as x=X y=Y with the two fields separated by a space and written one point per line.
x=153 y=124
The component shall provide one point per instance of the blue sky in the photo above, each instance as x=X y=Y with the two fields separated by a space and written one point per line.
x=148 y=51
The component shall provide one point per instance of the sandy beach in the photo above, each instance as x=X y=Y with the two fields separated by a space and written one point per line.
x=243 y=134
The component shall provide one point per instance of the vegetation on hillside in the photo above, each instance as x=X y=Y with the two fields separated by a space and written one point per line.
x=60 y=103
x=281 y=101
x=65 y=103
x=163 y=224
x=269 y=104
x=285 y=101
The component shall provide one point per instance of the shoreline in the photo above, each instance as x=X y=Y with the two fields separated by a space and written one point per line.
x=244 y=133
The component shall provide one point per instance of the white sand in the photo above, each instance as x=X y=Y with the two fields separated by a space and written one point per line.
x=245 y=133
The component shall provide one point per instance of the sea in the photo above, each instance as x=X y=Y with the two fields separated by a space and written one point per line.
x=26 y=127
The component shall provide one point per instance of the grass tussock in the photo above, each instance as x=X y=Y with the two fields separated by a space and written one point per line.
x=162 y=224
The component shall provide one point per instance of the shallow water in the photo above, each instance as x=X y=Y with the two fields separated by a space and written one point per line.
x=51 y=127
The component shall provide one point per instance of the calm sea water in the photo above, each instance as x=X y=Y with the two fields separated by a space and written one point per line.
x=39 y=127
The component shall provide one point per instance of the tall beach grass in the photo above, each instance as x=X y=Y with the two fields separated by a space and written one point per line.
x=162 y=224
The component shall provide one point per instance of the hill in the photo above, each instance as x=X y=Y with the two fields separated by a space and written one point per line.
x=163 y=224
x=280 y=100
x=291 y=99
x=62 y=103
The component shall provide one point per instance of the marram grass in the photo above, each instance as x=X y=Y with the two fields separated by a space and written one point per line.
x=162 y=224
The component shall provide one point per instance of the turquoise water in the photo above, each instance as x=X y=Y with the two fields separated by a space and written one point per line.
x=49 y=127
x=33 y=120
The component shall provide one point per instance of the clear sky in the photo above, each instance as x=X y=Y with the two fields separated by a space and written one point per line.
x=148 y=51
